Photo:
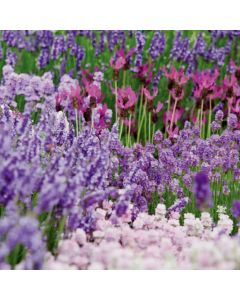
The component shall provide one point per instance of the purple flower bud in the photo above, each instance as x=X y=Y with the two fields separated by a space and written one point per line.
x=232 y=121
x=219 y=116
x=236 y=209
x=202 y=189
x=215 y=126
x=121 y=208
x=178 y=206
x=11 y=58
x=218 y=107
x=43 y=58
x=158 y=137
x=158 y=44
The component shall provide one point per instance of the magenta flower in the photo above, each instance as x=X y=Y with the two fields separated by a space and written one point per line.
x=60 y=97
x=144 y=73
x=158 y=108
x=126 y=57
x=148 y=96
x=169 y=114
x=230 y=87
x=236 y=107
x=230 y=91
x=118 y=64
x=194 y=119
x=177 y=93
x=87 y=77
x=75 y=91
x=205 y=85
x=121 y=60
x=172 y=132
x=126 y=99
x=205 y=79
x=128 y=122
x=94 y=93
x=73 y=96
x=155 y=112
x=103 y=118
x=175 y=77
x=76 y=97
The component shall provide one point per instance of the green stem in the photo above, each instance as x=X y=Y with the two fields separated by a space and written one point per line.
x=209 y=118
x=198 y=116
x=169 y=98
x=154 y=125
x=174 y=110
x=76 y=119
x=121 y=130
x=129 y=130
x=201 y=115
x=204 y=129
x=149 y=126
x=145 y=126
x=116 y=96
x=141 y=122
x=124 y=78
x=168 y=109
x=80 y=123
x=141 y=104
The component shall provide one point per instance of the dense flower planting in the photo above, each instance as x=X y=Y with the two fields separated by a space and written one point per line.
x=119 y=150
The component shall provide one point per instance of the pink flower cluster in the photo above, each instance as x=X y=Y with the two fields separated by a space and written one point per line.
x=85 y=99
x=150 y=242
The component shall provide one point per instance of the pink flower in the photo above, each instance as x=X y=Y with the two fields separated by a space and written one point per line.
x=230 y=87
x=127 y=56
x=205 y=79
x=76 y=98
x=94 y=91
x=236 y=108
x=144 y=73
x=177 y=93
x=172 y=132
x=121 y=60
x=168 y=115
x=194 y=119
x=104 y=118
x=147 y=94
x=126 y=99
x=127 y=122
x=158 y=108
x=231 y=91
x=75 y=91
x=155 y=112
x=87 y=77
x=118 y=64
x=175 y=77
x=205 y=85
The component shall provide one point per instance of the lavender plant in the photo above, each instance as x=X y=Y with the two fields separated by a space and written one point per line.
x=118 y=148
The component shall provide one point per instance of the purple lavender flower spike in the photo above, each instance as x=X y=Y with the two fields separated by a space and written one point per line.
x=202 y=190
x=236 y=209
